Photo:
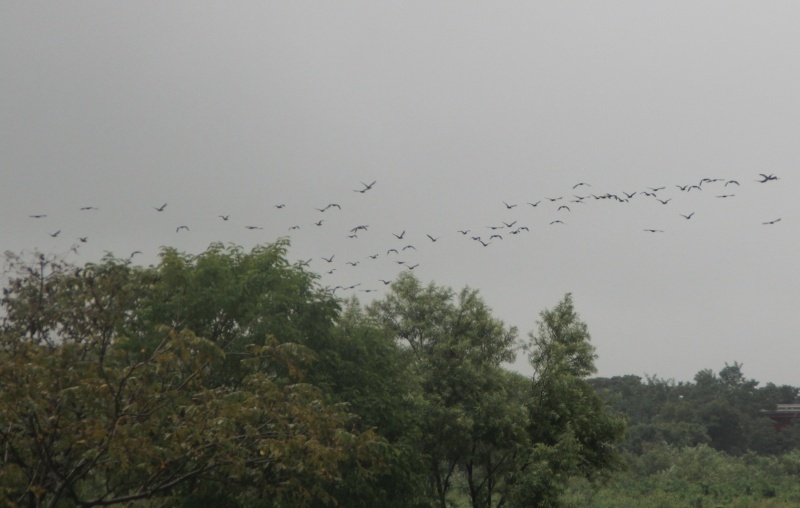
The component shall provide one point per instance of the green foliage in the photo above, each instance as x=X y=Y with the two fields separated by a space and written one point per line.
x=111 y=388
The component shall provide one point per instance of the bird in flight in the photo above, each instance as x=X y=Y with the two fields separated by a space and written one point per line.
x=564 y=206
x=366 y=187
x=535 y=204
x=579 y=184
x=509 y=206
x=510 y=225
x=411 y=267
x=282 y=205
x=731 y=181
x=37 y=216
x=771 y=222
x=767 y=178
x=318 y=223
x=556 y=222
x=224 y=217
x=294 y=227
x=432 y=238
x=55 y=234
x=726 y=195
x=392 y=250
x=664 y=201
x=160 y=208
x=83 y=239
x=687 y=217
x=400 y=236
x=330 y=259
x=463 y=231
x=182 y=227
x=654 y=230
x=385 y=282
x=408 y=247
x=89 y=208
x=253 y=227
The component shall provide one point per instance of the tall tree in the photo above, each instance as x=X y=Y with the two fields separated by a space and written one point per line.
x=108 y=395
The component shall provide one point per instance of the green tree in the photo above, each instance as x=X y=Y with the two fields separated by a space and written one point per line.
x=120 y=383
x=571 y=430
x=468 y=420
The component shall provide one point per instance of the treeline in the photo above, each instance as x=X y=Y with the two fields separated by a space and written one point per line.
x=724 y=411
x=697 y=444
x=233 y=379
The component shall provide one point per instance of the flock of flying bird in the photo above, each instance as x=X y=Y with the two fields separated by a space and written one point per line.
x=483 y=235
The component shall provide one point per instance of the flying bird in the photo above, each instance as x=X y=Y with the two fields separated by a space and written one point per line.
x=654 y=230
x=160 y=208
x=89 y=208
x=253 y=227
x=564 y=206
x=37 y=216
x=509 y=206
x=282 y=205
x=409 y=247
x=224 y=217
x=432 y=238
x=726 y=195
x=535 y=204
x=55 y=234
x=392 y=250
x=664 y=201
x=366 y=187
x=330 y=259
x=556 y=222
x=385 y=282
x=687 y=217
x=771 y=222
x=579 y=184
x=767 y=178
x=400 y=236
x=294 y=227
x=83 y=239
x=318 y=223
x=182 y=227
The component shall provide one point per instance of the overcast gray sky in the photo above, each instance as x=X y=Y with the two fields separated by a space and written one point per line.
x=454 y=109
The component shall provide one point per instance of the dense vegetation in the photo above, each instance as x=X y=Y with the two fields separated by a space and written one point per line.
x=232 y=379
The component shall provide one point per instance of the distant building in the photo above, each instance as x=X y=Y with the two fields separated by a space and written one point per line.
x=783 y=416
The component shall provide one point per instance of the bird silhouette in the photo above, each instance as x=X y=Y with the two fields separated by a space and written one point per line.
x=664 y=201
x=409 y=247
x=89 y=208
x=366 y=187
x=319 y=223
x=767 y=178
x=508 y=206
x=510 y=225
x=294 y=228
x=83 y=239
x=730 y=182
x=55 y=234
x=253 y=227
x=654 y=230
x=37 y=216
x=385 y=282
x=400 y=236
x=579 y=184
x=282 y=205
x=182 y=227
x=463 y=231
x=224 y=217
x=392 y=250
x=726 y=196
x=535 y=204
x=687 y=217
x=771 y=222
x=556 y=222
x=160 y=208
x=564 y=207
x=330 y=259
x=432 y=238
